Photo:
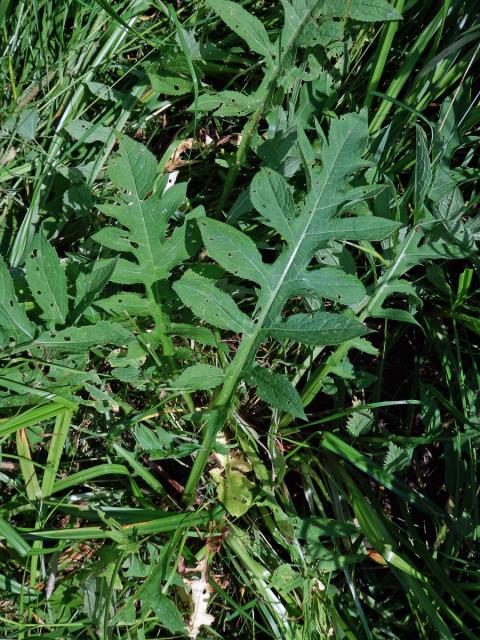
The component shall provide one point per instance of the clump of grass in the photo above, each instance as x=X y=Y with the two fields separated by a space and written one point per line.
x=238 y=320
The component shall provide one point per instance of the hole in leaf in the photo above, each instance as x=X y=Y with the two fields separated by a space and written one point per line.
x=133 y=244
x=67 y=339
x=10 y=302
x=34 y=253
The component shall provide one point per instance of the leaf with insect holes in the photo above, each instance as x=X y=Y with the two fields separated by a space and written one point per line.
x=79 y=339
x=150 y=255
x=245 y=25
x=234 y=251
x=277 y=391
x=46 y=280
x=13 y=319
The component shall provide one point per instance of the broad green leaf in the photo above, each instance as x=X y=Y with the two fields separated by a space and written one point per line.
x=133 y=169
x=79 y=339
x=152 y=440
x=150 y=593
x=146 y=222
x=245 y=25
x=234 y=489
x=126 y=304
x=277 y=391
x=170 y=84
x=193 y=332
x=199 y=376
x=88 y=131
x=423 y=171
x=149 y=254
x=210 y=303
x=89 y=285
x=360 y=422
x=226 y=103
x=398 y=315
x=320 y=327
x=397 y=459
x=27 y=123
x=168 y=614
x=234 y=251
x=331 y=283
x=315 y=527
x=13 y=319
x=362 y=228
x=272 y=198
x=285 y=579
x=46 y=279
x=361 y=10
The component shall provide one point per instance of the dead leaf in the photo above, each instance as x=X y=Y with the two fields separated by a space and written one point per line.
x=200 y=596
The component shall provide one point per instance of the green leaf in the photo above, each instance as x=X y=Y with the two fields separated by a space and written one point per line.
x=362 y=10
x=167 y=613
x=245 y=25
x=199 y=376
x=360 y=422
x=170 y=84
x=88 y=131
x=126 y=304
x=89 y=285
x=234 y=489
x=134 y=169
x=79 y=339
x=234 y=251
x=423 y=171
x=315 y=527
x=277 y=391
x=27 y=123
x=397 y=459
x=272 y=198
x=333 y=284
x=284 y=579
x=226 y=103
x=210 y=303
x=145 y=221
x=152 y=440
x=46 y=279
x=13 y=319
x=318 y=328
